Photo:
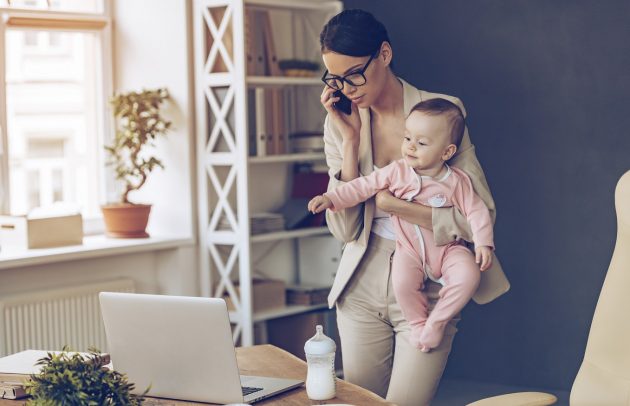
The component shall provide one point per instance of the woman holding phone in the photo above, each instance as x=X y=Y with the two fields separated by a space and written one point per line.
x=374 y=335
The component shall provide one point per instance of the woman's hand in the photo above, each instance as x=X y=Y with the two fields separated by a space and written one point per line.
x=349 y=125
x=385 y=200
x=483 y=255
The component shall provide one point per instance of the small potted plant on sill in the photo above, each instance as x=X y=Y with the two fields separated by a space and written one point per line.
x=138 y=123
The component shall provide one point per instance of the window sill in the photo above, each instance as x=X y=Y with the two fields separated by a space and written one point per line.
x=93 y=247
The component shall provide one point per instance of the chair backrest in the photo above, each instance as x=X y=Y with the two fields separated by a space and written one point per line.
x=604 y=376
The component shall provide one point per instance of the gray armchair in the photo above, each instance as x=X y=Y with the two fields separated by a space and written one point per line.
x=604 y=376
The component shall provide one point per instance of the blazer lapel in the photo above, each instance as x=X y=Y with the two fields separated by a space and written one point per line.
x=411 y=97
x=366 y=163
x=366 y=166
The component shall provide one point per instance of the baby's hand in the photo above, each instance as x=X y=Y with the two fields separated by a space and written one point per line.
x=483 y=255
x=319 y=204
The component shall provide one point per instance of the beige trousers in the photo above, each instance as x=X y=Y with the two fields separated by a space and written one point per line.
x=374 y=334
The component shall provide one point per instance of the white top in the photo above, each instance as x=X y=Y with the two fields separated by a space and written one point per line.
x=382 y=224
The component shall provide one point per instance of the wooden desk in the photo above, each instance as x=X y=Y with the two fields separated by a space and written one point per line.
x=267 y=360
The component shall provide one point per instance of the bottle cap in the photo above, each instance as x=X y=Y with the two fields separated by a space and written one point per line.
x=319 y=344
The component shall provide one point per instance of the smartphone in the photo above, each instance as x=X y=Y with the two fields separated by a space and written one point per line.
x=344 y=104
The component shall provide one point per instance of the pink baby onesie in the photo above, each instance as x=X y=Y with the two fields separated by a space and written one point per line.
x=417 y=257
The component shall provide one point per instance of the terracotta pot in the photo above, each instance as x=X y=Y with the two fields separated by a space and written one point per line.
x=126 y=220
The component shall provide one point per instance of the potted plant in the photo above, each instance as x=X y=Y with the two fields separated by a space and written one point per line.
x=75 y=379
x=138 y=123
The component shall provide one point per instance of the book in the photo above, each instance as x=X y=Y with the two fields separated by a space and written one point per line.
x=17 y=368
x=12 y=391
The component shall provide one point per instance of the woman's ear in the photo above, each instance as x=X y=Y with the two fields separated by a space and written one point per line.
x=386 y=53
x=449 y=152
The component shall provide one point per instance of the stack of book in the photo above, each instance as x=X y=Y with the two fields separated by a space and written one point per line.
x=16 y=371
x=259 y=223
x=266 y=222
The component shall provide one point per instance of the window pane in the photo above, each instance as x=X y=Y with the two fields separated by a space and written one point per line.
x=53 y=90
x=79 y=6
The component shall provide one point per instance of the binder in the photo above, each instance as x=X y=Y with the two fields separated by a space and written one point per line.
x=271 y=59
x=276 y=112
x=250 y=53
x=259 y=63
x=270 y=118
x=261 y=122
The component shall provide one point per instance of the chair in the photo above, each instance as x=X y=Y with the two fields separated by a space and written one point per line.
x=604 y=376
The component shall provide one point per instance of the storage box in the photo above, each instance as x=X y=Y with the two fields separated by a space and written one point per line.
x=307 y=295
x=23 y=232
x=266 y=294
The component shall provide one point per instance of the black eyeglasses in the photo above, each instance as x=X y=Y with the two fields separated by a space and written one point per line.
x=356 y=78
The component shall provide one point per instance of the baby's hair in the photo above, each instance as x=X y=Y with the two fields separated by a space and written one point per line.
x=438 y=106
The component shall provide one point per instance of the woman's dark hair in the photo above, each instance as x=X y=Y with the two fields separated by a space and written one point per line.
x=353 y=32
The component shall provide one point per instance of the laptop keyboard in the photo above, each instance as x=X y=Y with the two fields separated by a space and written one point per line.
x=249 y=390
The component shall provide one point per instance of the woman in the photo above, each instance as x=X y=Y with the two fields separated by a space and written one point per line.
x=374 y=335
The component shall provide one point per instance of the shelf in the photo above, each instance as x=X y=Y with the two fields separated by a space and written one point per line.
x=229 y=237
x=307 y=156
x=282 y=81
x=321 y=6
x=288 y=310
x=285 y=235
x=92 y=247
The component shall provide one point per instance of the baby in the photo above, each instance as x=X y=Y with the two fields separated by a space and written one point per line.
x=433 y=131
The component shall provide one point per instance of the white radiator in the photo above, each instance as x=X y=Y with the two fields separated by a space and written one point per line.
x=50 y=319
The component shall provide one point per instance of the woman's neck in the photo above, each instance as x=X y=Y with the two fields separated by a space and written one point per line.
x=390 y=101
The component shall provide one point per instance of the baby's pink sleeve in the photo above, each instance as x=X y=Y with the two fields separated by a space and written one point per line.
x=475 y=210
x=360 y=189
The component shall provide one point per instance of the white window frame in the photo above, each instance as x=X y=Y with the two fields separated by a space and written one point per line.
x=98 y=23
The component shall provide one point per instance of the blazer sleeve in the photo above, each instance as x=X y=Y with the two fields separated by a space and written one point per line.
x=475 y=211
x=449 y=224
x=345 y=225
x=360 y=189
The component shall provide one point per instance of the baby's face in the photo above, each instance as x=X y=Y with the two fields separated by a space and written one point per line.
x=425 y=141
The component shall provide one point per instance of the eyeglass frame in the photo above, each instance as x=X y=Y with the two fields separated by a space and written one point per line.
x=343 y=78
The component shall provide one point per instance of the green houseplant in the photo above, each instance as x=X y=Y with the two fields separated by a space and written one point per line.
x=138 y=122
x=73 y=379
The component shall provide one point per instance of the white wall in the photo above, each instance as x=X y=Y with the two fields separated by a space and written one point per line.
x=151 y=49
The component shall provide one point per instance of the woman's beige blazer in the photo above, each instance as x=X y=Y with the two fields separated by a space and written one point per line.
x=353 y=225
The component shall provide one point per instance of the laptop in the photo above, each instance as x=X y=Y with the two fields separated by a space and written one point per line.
x=180 y=347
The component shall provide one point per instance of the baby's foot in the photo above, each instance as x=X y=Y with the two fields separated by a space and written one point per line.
x=431 y=336
x=414 y=335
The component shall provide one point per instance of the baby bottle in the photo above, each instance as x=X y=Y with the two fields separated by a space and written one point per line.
x=320 y=358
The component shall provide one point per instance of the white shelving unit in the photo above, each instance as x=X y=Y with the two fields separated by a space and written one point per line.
x=231 y=183
x=311 y=156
